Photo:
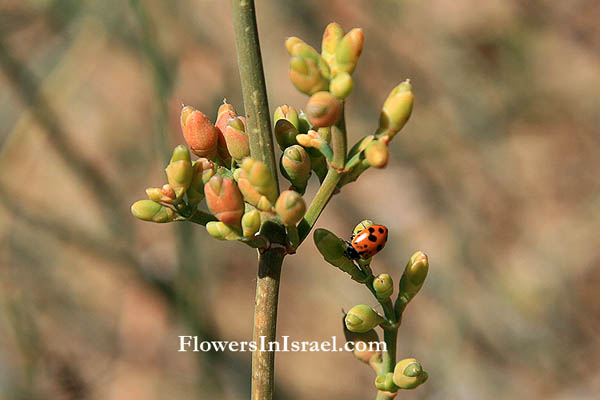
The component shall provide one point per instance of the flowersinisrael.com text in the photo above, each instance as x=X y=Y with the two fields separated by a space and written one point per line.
x=193 y=344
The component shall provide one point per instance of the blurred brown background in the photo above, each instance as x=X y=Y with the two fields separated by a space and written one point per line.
x=496 y=177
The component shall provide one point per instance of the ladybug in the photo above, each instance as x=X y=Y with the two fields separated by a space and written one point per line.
x=366 y=243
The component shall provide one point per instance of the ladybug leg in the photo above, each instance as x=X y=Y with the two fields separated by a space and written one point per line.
x=350 y=252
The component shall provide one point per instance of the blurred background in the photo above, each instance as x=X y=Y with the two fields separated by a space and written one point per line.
x=496 y=177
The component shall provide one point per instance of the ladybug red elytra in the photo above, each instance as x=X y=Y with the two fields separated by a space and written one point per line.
x=368 y=242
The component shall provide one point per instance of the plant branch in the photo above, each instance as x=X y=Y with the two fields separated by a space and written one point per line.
x=261 y=148
x=28 y=89
x=254 y=89
x=318 y=203
x=265 y=322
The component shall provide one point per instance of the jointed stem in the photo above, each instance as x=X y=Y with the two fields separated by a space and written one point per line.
x=261 y=148
x=265 y=322
x=254 y=88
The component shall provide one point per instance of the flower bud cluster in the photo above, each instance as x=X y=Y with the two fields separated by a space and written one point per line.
x=240 y=192
x=361 y=320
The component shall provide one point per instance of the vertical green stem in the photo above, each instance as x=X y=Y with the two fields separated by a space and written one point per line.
x=254 y=89
x=265 y=322
x=390 y=336
x=261 y=148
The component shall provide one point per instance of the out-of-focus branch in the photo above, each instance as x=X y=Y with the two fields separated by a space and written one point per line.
x=27 y=88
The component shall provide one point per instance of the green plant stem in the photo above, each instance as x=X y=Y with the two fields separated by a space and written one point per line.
x=390 y=333
x=200 y=217
x=261 y=148
x=329 y=184
x=265 y=321
x=254 y=89
x=318 y=203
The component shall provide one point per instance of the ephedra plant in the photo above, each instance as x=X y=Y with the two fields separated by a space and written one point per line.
x=232 y=187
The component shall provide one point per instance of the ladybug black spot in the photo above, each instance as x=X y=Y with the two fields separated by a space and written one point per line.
x=379 y=247
x=380 y=230
x=372 y=238
x=371 y=229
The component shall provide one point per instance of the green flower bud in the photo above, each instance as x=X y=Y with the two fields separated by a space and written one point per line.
x=222 y=231
x=348 y=51
x=361 y=226
x=303 y=125
x=413 y=277
x=285 y=133
x=396 y=110
x=236 y=138
x=323 y=109
x=154 y=194
x=371 y=336
x=224 y=200
x=251 y=223
x=199 y=133
x=290 y=207
x=408 y=374
x=166 y=194
x=332 y=248
x=291 y=42
x=295 y=166
x=203 y=170
x=298 y=48
x=362 y=318
x=257 y=184
x=342 y=85
x=377 y=153
x=332 y=36
x=306 y=76
x=148 y=210
x=386 y=383
x=288 y=113
x=384 y=286
x=179 y=171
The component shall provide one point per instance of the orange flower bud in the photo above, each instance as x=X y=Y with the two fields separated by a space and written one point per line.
x=224 y=200
x=200 y=134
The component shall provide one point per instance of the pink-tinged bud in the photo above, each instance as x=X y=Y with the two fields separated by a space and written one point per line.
x=224 y=200
x=224 y=114
x=154 y=194
x=396 y=110
x=179 y=171
x=204 y=169
x=200 y=134
x=237 y=139
x=332 y=36
x=166 y=194
x=291 y=42
x=323 y=109
x=290 y=207
x=167 y=191
x=341 y=86
x=377 y=154
x=348 y=50
x=306 y=76
x=287 y=113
